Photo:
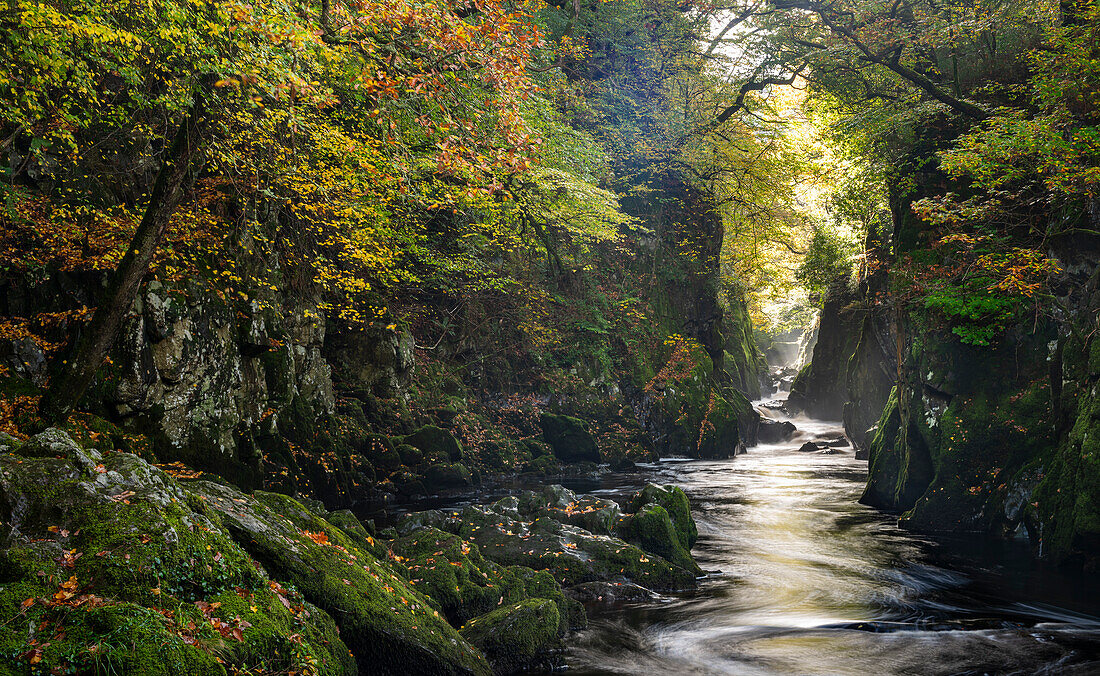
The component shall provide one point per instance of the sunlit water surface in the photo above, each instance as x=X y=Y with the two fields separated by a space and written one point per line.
x=807 y=581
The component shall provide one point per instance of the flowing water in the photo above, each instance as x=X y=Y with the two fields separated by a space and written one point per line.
x=807 y=581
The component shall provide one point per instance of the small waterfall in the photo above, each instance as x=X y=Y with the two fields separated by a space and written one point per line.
x=806 y=343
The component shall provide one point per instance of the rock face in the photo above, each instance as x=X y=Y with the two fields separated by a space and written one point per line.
x=774 y=432
x=853 y=364
x=569 y=438
x=689 y=414
x=997 y=439
x=235 y=387
x=743 y=361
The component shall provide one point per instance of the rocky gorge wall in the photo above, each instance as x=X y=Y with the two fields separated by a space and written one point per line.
x=995 y=439
x=267 y=391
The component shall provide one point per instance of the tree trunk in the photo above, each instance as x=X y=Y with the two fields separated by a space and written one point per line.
x=72 y=376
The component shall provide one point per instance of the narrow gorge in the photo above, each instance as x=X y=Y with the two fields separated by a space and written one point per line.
x=526 y=336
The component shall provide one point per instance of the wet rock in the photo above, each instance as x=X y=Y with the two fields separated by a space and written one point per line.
x=571 y=554
x=569 y=438
x=675 y=502
x=651 y=529
x=589 y=512
x=514 y=637
x=447 y=475
x=840 y=442
x=624 y=465
x=435 y=442
x=609 y=592
x=431 y=518
x=774 y=431
x=809 y=447
x=556 y=496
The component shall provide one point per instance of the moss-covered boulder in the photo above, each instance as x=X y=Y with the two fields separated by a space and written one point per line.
x=651 y=529
x=515 y=636
x=355 y=529
x=447 y=475
x=546 y=464
x=410 y=455
x=590 y=512
x=675 y=502
x=379 y=450
x=571 y=554
x=435 y=442
x=569 y=438
x=453 y=574
x=389 y=626
x=429 y=518
x=106 y=562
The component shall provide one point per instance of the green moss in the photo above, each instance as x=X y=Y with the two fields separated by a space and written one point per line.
x=410 y=455
x=140 y=567
x=379 y=450
x=571 y=555
x=280 y=639
x=569 y=438
x=675 y=502
x=122 y=638
x=447 y=475
x=514 y=636
x=387 y=623
x=346 y=521
x=540 y=584
x=1068 y=497
x=435 y=441
x=651 y=528
x=452 y=573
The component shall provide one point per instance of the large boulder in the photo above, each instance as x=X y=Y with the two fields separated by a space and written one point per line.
x=523 y=532
x=774 y=431
x=109 y=560
x=516 y=636
x=435 y=443
x=569 y=438
x=651 y=529
x=675 y=503
x=389 y=626
x=464 y=584
x=447 y=475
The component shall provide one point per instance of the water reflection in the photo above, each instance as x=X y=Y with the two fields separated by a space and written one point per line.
x=807 y=581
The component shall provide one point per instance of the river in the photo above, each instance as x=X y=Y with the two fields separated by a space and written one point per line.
x=804 y=580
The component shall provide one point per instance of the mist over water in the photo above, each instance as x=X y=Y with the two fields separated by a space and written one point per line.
x=806 y=581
